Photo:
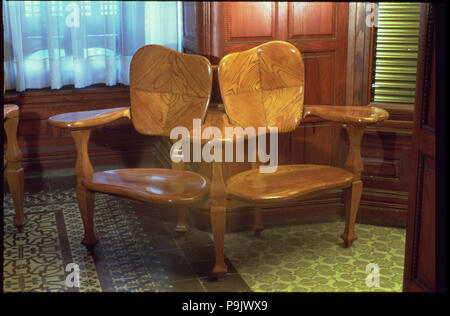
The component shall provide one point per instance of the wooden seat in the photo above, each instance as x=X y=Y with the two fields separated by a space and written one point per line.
x=151 y=185
x=167 y=89
x=288 y=182
x=264 y=87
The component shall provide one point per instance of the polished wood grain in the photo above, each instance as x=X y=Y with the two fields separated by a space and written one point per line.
x=86 y=119
x=308 y=19
x=10 y=111
x=263 y=15
x=167 y=89
x=12 y=163
x=359 y=115
x=288 y=182
x=162 y=186
x=263 y=86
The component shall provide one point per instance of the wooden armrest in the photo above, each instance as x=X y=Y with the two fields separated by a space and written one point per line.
x=358 y=115
x=10 y=111
x=87 y=119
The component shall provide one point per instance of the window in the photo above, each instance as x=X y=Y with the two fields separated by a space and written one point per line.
x=57 y=43
x=395 y=53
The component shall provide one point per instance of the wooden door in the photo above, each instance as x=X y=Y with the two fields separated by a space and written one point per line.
x=420 y=257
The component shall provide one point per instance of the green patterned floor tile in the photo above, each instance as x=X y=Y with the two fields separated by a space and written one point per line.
x=311 y=258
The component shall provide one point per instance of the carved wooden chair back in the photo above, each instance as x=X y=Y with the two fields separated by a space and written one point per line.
x=168 y=89
x=264 y=86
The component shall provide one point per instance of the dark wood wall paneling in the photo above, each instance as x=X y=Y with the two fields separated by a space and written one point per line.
x=336 y=46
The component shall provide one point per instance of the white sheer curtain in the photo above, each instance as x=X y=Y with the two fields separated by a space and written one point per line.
x=57 y=43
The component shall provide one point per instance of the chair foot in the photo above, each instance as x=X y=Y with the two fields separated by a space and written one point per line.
x=182 y=226
x=218 y=223
x=257 y=231
x=15 y=182
x=348 y=239
x=86 y=200
x=220 y=271
x=257 y=224
x=89 y=243
x=181 y=230
x=352 y=196
x=19 y=223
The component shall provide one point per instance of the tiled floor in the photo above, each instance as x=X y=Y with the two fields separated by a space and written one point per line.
x=184 y=263
x=139 y=251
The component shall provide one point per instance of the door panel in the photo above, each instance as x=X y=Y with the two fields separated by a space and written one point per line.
x=319 y=77
x=427 y=239
x=420 y=256
x=251 y=21
x=312 y=20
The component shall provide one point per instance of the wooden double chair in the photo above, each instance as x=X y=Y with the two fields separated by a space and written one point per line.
x=260 y=87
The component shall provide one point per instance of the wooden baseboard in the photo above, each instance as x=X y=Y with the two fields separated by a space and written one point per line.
x=328 y=207
x=130 y=154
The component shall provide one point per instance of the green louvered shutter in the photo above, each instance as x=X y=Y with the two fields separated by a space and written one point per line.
x=395 y=52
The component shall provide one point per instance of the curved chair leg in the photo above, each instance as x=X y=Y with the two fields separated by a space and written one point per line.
x=86 y=198
x=14 y=170
x=218 y=223
x=86 y=201
x=182 y=225
x=15 y=183
x=352 y=196
x=257 y=224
